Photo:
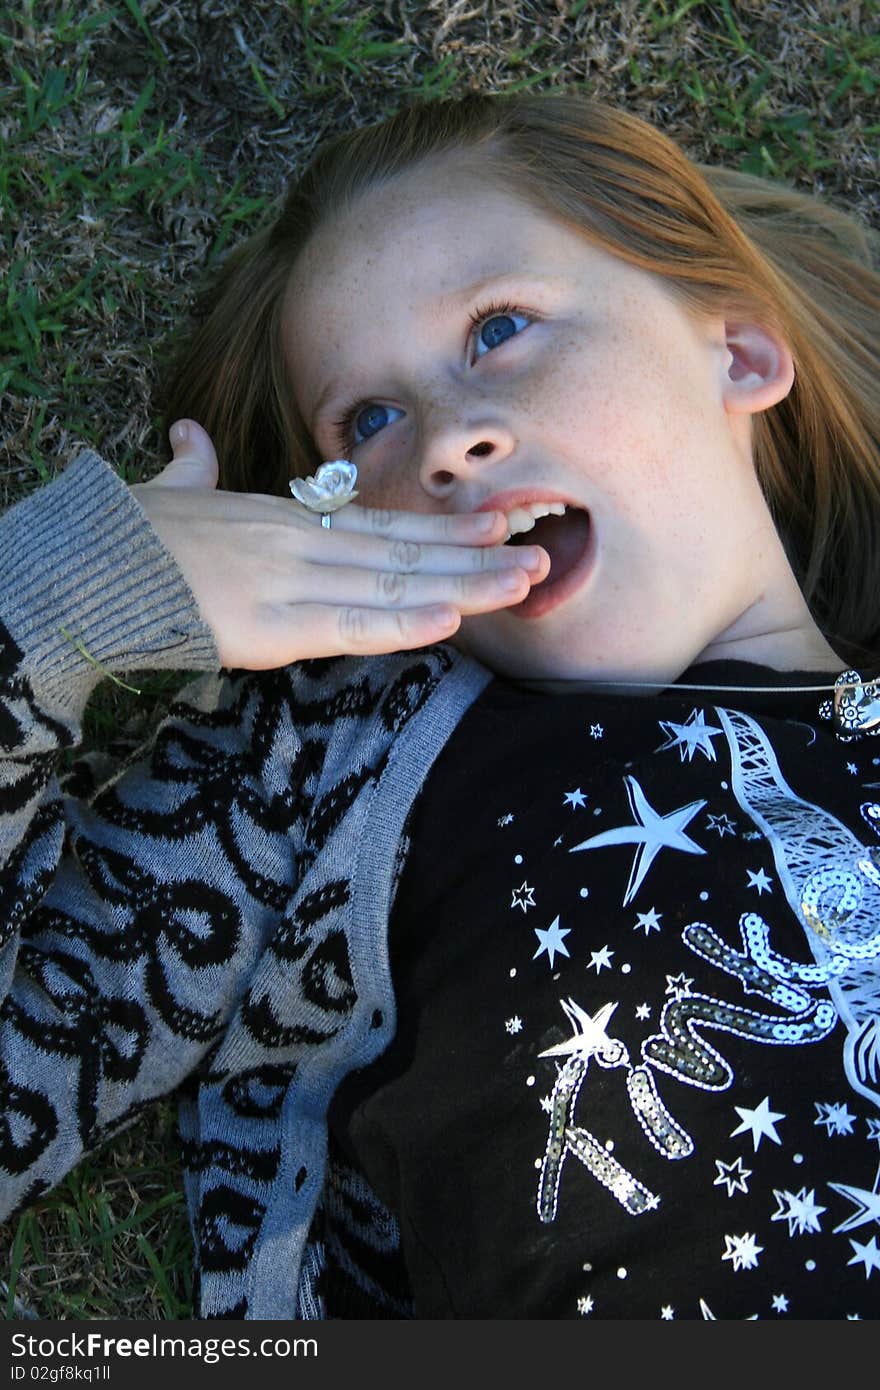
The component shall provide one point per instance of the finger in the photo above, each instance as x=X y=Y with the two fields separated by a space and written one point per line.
x=350 y=630
x=193 y=462
x=443 y=528
x=469 y=593
x=413 y=557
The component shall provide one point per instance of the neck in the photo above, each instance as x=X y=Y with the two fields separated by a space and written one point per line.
x=793 y=649
x=797 y=648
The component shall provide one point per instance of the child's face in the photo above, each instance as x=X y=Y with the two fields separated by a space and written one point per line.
x=584 y=382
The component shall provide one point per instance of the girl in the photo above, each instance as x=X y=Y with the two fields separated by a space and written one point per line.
x=600 y=828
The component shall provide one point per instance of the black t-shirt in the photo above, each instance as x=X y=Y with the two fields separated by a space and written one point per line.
x=636 y=952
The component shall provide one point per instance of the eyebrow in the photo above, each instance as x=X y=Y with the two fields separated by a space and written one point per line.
x=440 y=308
x=477 y=288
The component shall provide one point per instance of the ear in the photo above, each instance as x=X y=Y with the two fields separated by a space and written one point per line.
x=760 y=371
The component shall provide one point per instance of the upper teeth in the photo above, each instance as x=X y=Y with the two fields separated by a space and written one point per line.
x=523 y=518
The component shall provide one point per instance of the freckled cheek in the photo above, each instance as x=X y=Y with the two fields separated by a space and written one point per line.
x=390 y=493
x=586 y=409
x=392 y=485
x=617 y=415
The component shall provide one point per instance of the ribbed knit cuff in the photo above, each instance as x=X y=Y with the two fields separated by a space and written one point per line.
x=80 y=555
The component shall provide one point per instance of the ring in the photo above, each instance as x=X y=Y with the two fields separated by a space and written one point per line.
x=331 y=487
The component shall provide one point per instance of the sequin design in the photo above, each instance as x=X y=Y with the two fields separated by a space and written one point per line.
x=854 y=707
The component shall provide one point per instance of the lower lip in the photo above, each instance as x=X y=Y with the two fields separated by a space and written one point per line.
x=544 y=597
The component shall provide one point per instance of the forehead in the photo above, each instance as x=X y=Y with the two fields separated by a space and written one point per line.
x=402 y=258
x=424 y=230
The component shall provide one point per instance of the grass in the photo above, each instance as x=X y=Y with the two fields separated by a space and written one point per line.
x=111 y=1241
x=140 y=140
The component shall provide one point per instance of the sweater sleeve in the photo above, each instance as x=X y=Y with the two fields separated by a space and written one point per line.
x=130 y=920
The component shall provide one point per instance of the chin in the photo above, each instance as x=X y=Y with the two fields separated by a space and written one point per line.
x=517 y=657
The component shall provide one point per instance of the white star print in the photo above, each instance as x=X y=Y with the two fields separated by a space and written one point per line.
x=761 y=1121
x=709 y=1316
x=585 y=1305
x=650 y=921
x=506 y=820
x=759 y=880
x=590 y=1033
x=742 y=1251
x=523 y=897
x=867 y=1205
x=667 y=1313
x=678 y=985
x=723 y=824
x=835 y=1118
x=514 y=1025
x=734 y=1175
x=851 y=767
x=551 y=941
x=867 y=1254
x=600 y=959
x=651 y=832
x=780 y=1303
x=596 y=731
x=575 y=798
x=643 y=1011
x=690 y=737
x=799 y=1209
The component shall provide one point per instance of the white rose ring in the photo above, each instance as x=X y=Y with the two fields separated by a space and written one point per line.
x=331 y=487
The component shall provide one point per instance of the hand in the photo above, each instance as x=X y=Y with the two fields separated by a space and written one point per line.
x=275 y=586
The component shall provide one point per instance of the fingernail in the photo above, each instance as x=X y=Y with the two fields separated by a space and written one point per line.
x=530 y=557
x=510 y=579
x=485 y=521
x=179 y=433
x=443 y=614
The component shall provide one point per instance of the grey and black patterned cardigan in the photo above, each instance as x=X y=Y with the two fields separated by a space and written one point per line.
x=211 y=918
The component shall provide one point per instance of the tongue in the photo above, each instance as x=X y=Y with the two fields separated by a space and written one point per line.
x=563 y=537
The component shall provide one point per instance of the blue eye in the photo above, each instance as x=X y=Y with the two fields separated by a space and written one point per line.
x=371 y=419
x=495 y=329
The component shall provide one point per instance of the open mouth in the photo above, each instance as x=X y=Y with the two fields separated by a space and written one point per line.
x=566 y=533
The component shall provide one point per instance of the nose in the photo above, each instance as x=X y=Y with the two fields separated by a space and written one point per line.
x=456 y=454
